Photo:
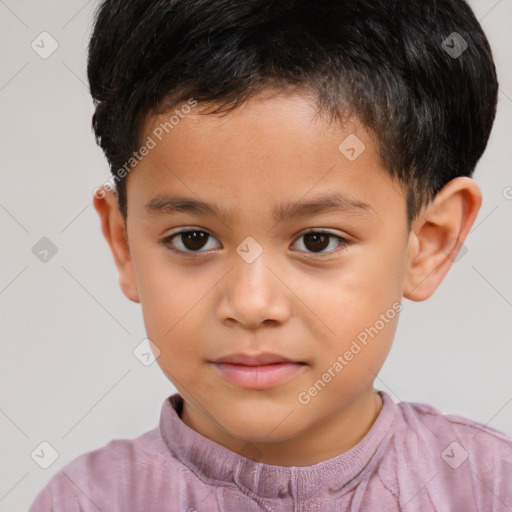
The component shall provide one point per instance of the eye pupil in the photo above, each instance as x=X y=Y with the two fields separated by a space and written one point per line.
x=320 y=241
x=194 y=240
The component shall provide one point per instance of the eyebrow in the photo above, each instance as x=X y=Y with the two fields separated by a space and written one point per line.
x=165 y=204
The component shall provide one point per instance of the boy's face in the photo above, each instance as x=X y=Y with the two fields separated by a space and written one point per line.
x=250 y=283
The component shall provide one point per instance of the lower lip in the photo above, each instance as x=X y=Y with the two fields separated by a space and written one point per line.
x=258 y=377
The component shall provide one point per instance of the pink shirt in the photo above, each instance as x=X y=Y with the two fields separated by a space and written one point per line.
x=413 y=459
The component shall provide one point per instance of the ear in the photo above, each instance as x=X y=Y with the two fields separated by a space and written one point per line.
x=438 y=234
x=114 y=230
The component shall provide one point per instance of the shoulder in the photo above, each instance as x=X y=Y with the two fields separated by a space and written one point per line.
x=99 y=477
x=476 y=435
x=453 y=441
x=439 y=461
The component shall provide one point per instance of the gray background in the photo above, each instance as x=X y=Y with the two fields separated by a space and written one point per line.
x=68 y=373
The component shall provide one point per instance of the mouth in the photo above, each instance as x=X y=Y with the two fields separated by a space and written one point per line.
x=257 y=372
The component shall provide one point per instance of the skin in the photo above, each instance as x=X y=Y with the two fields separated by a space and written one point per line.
x=305 y=305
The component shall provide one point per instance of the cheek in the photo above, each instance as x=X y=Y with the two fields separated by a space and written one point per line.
x=379 y=272
x=357 y=294
x=359 y=307
x=173 y=324
x=168 y=300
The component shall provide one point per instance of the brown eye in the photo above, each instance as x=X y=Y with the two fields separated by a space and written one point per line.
x=187 y=241
x=318 y=241
x=194 y=240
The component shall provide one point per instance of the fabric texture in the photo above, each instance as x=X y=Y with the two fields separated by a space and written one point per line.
x=414 y=458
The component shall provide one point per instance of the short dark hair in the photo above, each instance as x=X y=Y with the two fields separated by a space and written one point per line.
x=397 y=65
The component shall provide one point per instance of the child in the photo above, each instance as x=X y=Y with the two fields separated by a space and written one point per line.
x=283 y=174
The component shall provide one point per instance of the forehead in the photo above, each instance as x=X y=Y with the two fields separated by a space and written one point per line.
x=267 y=154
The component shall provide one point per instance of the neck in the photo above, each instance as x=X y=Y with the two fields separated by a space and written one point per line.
x=334 y=436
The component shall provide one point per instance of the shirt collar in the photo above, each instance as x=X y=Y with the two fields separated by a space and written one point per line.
x=217 y=465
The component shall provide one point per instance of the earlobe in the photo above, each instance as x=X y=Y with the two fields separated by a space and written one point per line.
x=438 y=235
x=113 y=227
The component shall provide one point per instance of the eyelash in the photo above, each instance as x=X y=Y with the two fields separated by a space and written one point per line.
x=167 y=241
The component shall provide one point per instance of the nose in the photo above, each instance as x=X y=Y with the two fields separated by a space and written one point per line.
x=255 y=294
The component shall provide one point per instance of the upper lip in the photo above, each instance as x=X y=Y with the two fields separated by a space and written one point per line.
x=254 y=360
